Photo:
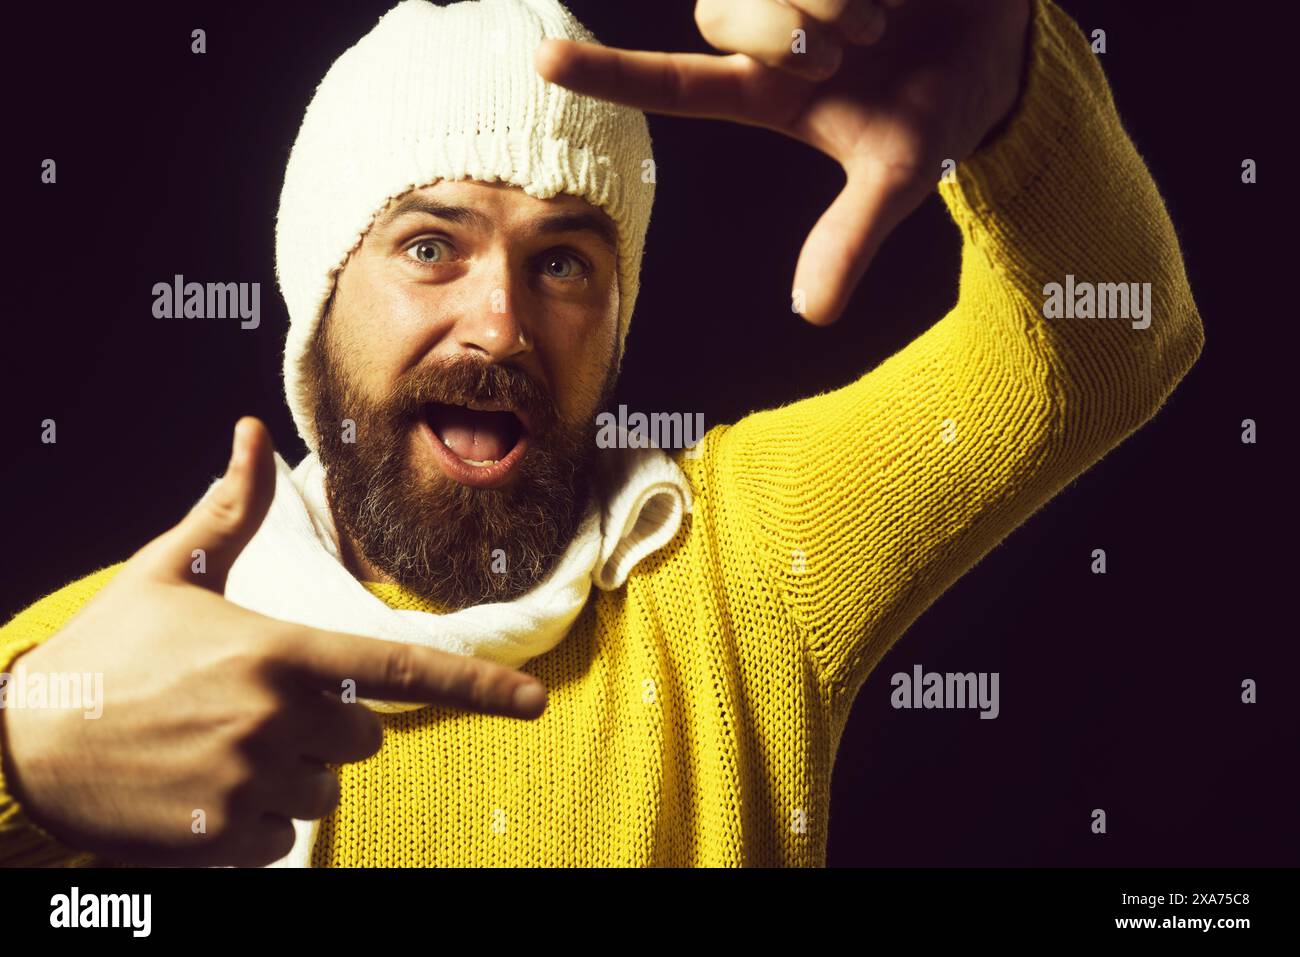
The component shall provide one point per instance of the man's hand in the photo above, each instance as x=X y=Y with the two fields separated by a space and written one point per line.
x=889 y=89
x=212 y=712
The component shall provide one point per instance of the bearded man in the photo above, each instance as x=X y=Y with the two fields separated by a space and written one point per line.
x=393 y=653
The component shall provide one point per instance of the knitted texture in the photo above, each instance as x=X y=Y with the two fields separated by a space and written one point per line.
x=446 y=93
x=695 y=714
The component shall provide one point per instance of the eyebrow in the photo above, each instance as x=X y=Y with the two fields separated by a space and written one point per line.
x=469 y=217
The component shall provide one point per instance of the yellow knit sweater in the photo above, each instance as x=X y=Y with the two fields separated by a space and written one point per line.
x=695 y=714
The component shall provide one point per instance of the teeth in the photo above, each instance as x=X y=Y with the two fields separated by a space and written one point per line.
x=471 y=461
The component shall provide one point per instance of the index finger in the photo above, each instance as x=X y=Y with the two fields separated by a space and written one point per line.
x=677 y=84
x=394 y=671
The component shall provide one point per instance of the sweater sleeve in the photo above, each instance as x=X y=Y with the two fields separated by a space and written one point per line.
x=861 y=506
x=22 y=842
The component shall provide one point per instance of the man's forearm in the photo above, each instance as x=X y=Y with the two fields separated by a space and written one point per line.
x=1071 y=222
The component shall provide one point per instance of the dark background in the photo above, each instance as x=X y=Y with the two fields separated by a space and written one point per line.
x=1119 y=691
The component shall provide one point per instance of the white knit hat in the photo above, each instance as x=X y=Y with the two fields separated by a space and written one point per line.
x=448 y=92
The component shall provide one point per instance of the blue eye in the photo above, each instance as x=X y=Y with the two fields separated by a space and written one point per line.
x=560 y=257
x=425 y=251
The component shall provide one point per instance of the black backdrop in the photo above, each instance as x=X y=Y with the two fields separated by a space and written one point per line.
x=1118 y=691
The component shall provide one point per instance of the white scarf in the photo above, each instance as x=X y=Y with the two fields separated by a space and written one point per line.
x=291 y=569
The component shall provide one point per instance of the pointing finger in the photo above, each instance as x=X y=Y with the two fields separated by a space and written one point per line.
x=681 y=84
x=394 y=671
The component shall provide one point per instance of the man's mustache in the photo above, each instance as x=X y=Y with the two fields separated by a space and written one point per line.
x=464 y=380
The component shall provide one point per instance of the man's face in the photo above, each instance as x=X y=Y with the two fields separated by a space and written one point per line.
x=471 y=339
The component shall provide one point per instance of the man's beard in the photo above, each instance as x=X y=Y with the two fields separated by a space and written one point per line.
x=431 y=534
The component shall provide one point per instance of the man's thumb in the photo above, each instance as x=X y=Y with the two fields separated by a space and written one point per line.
x=846 y=237
x=206 y=542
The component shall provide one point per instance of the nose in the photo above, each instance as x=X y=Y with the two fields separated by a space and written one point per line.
x=490 y=325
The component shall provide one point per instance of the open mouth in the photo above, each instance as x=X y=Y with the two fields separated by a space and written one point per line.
x=477 y=444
